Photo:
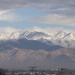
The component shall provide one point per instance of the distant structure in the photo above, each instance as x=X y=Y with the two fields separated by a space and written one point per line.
x=32 y=69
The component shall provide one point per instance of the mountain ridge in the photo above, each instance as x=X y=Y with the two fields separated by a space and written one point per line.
x=61 y=37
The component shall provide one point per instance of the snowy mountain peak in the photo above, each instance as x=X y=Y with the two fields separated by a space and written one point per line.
x=65 y=38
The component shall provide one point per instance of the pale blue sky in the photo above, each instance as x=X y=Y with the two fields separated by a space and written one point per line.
x=29 y=13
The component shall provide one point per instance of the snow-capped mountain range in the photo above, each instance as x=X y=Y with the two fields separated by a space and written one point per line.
x=44 y=48
x=65 y=38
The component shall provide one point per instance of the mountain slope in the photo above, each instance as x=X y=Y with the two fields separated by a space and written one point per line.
x=21 y=59
x=27 y=44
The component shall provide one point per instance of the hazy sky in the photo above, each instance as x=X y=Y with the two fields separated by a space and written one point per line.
x=42 y=13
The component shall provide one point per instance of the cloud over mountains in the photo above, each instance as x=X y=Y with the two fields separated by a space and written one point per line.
x=58 y=11
x=4 y=4
x=60 y=6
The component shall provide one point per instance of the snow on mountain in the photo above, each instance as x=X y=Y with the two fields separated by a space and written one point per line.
x=65 y=38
